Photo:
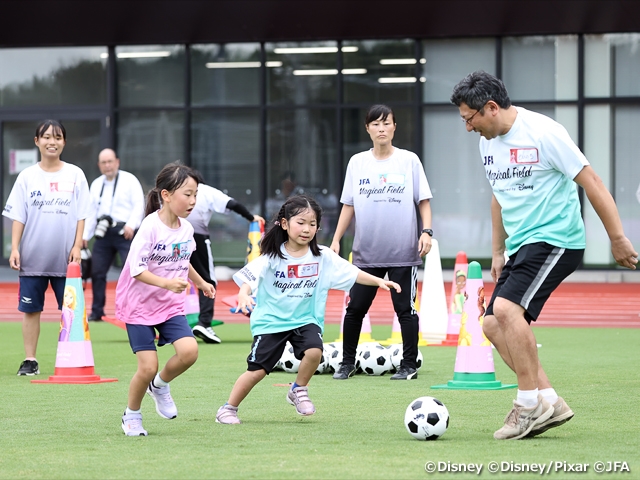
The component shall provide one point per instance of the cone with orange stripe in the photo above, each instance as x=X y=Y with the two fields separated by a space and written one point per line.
x=74 y=358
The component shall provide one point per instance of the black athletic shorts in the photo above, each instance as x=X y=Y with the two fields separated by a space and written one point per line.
x=532 y=274
x=267 y=349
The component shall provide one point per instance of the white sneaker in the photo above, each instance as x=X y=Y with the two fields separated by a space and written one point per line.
x=165 y=406
x=132 y=425
x=521 y=420
x=206 y=334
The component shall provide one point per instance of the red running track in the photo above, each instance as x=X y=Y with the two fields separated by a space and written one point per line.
x=571 y=305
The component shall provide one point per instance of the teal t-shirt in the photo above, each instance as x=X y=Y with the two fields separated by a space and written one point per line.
x=292 y=292
x=531 y=170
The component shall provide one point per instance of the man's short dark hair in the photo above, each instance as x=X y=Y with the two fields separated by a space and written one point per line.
x=477 y=88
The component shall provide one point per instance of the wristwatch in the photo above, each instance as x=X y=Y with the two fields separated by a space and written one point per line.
x=427 y=231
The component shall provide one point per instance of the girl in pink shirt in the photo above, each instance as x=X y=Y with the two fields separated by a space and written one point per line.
x=150 y=293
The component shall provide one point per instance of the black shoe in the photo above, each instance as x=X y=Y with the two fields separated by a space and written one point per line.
x=29 y=367
x=405 y=373
x=345 y=371
x=94 y=318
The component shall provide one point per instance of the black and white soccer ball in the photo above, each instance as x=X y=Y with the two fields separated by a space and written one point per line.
x=419 y=360
x=288 y=361
x=364 y=347
x=426 y=418
x=333 y=354
x=395 y=354
x=374 y=360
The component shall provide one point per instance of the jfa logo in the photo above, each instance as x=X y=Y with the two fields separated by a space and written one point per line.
x=364 y=181
x=488 y=160
x=160 y=247
x=36 y=193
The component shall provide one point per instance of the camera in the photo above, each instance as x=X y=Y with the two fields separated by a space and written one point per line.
x=104 y=222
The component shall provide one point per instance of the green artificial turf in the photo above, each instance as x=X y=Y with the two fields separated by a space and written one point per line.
x=73 y=431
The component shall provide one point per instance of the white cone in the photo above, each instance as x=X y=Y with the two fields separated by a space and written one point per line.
x=434 y=315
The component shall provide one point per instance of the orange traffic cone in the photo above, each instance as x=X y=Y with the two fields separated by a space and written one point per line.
x=74 y=359
x=474 y=368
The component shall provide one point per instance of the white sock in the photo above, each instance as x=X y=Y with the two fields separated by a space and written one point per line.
x=527 y=398
x=550 y=395
x=129 y=411
x=158 y=382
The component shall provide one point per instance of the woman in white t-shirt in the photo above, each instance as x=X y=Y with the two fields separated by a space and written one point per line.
x=383 y=188
x=150 y=293
x=50 y=196
x=291 y=280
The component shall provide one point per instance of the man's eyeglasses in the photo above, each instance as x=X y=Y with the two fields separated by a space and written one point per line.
x=467 y=121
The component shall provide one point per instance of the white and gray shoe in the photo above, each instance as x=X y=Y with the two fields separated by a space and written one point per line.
x=206 y=334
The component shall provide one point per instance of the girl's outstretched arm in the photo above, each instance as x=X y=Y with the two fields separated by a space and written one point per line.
x=365 y=278
x=245 y=300
x=206 y=288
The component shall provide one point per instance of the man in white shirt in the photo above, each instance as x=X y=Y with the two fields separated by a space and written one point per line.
x=533 y=166
x=117 y=202
x=209 y=201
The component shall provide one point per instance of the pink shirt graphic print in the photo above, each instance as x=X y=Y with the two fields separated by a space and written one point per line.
x=162 y=251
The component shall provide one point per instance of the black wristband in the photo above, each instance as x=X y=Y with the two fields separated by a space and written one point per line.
x=427 y=231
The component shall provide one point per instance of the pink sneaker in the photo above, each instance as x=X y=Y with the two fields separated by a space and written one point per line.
x=227 y=415
x=299 y=397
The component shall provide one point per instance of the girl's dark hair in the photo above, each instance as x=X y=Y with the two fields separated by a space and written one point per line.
x=377 y=111
x=170 y=178
x=58 y=128
x=276 y=235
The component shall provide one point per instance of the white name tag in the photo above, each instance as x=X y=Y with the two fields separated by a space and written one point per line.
x=523 y=155
x=302 y=271
x=391 y=179
x=62 y=186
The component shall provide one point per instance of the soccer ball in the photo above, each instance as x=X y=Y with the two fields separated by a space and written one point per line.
x=333 y=354
x=288 y=362
x=426 y=418
x=375 y=360
x=395 y=355
x=363 y=347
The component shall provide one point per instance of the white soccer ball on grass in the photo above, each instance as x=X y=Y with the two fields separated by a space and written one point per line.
x=426 y=418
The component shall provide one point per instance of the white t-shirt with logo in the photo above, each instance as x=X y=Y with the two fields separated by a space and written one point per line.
x=385 y=195
x=50 y=205
x=162 y=251
x=208 y=201
x=293 y=291
x=531 y=170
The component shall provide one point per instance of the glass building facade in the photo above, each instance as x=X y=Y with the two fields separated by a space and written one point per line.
x=261 y=120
